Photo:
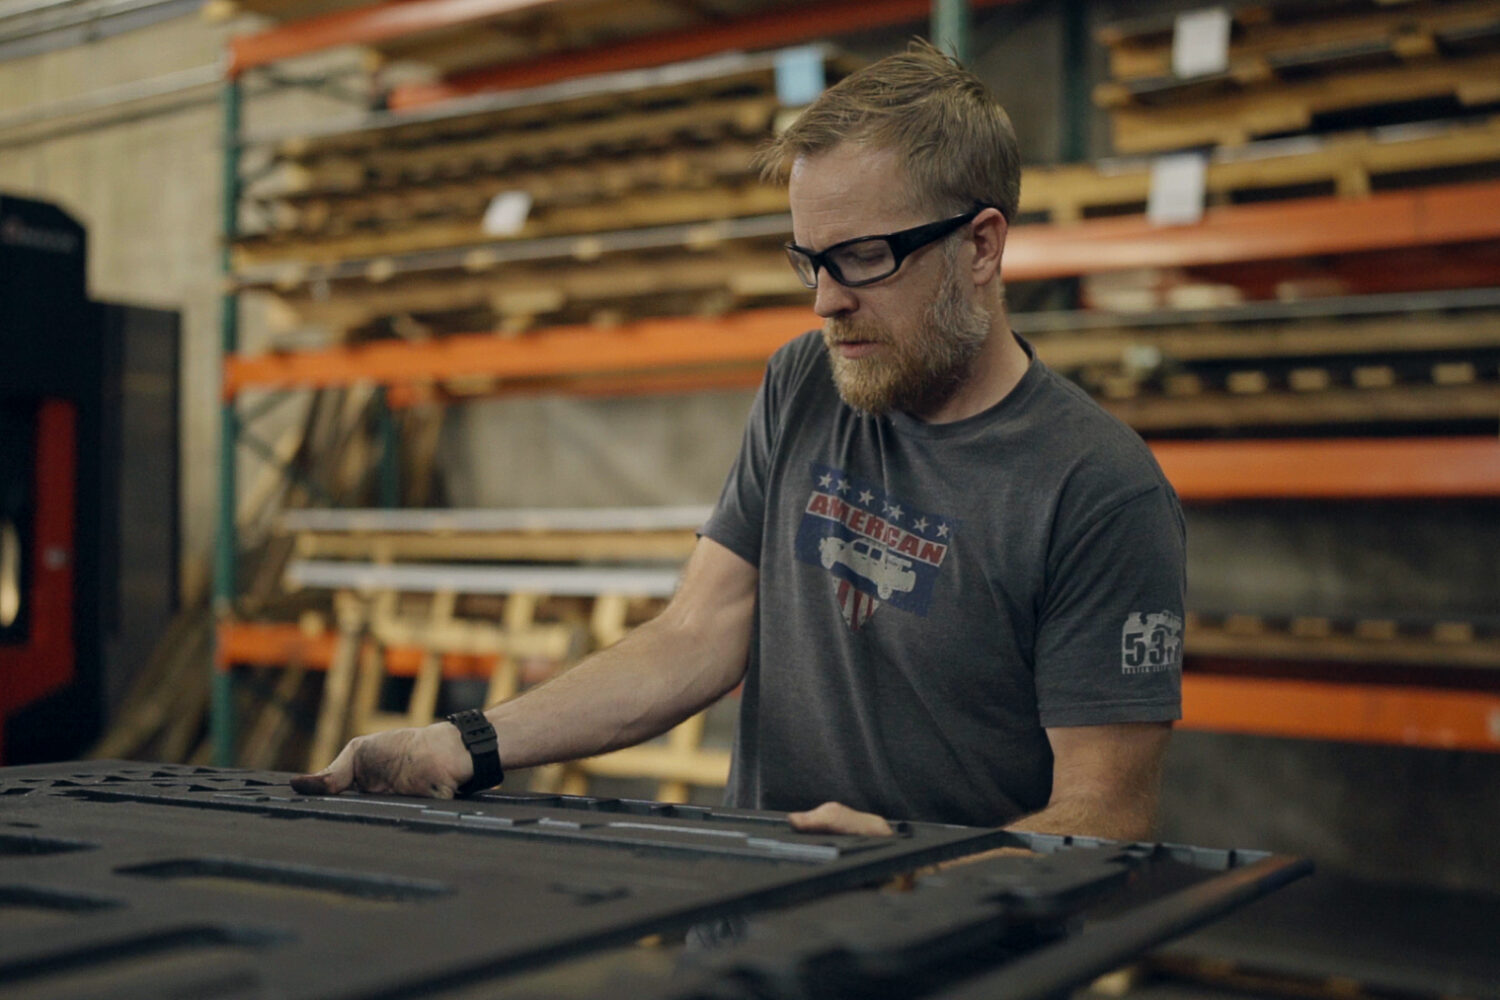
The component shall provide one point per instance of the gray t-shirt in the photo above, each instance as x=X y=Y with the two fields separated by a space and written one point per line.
x=932 y=595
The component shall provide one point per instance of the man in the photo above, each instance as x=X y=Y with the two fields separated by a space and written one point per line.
x=950 y=584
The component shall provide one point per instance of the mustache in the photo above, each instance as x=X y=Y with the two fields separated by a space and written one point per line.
x=843 y=332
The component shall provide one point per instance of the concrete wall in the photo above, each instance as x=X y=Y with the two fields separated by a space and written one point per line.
x=147 y=190
x=145 y=179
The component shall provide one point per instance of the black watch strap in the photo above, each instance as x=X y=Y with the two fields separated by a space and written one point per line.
x=483 y=746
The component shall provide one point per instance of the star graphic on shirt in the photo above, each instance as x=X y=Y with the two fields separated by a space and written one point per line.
x=895 y=512
x=920 y=524
x=942 y=531
x=825 y=481
x=866 y=497
x=843 y=486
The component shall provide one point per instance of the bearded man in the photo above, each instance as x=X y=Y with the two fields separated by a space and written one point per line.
x=950 y=584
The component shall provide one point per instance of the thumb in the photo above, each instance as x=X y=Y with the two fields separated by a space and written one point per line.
x=334 y=778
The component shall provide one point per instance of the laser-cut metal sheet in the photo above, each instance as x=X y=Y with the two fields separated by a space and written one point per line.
x=156 y=880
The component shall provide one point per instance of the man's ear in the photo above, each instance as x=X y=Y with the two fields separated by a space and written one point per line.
x=990 y=229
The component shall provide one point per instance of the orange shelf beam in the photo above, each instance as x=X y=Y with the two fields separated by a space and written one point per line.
x=784 y=26
x=275 y=644
x=1362 y=713
x=1294 y=709
x=370 y=25
x=1338 y=469
x=653 y=347
x=1458 y=213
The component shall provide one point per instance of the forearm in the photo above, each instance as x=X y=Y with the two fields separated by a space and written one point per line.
x=1086 y=817
x=1106 y=780
x=658 y=675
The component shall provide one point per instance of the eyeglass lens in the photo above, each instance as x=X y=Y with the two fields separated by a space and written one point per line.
x=861 y=261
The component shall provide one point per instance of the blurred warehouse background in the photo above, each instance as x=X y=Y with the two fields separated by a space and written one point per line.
x=359 y=362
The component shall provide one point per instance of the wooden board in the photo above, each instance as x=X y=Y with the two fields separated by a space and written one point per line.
x=1264 y=38
x=513 y=297
x=1432 y=644
x=1350 y=164
x=672 y=547
x=558 y=184
x=548 y=142
x=727 y=75
x=533 y=33
x=639 y=211
x=1261 y=340
x=1222 y=410
x=1235 y=118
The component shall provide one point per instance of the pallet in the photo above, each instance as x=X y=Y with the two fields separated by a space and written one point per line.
x=317 y=279
x=726 y=76
x=1266 y=38
x=542 y=30
x=1349 y=164
x=547 y=143
x=1234 y=118
x=1369 y=339
x=559 y=184
x=1367 y=641
x=640 y=211
x=515 y=298
x=1262 y=406
x=219 y=11
x=539 y=547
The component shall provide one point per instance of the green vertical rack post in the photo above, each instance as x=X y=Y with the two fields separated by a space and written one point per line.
x=221 y=711
x=950 y=28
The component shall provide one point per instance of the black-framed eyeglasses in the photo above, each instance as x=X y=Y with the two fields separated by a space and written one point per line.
x=865 y=260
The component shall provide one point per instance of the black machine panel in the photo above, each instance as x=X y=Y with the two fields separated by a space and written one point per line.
x=88 y=487
x=17 y=493
x=151 y=880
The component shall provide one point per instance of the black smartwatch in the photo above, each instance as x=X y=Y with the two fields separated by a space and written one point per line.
x=484 y=748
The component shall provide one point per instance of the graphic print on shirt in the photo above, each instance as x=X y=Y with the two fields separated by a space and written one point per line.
x=876 y=547
x=1150 y=642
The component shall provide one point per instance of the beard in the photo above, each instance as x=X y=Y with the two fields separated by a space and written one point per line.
x=917 y=372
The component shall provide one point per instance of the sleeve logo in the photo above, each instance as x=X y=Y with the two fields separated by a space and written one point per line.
x=1151 y=642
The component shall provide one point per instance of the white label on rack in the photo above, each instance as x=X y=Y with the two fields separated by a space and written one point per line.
x=1177 y=189
x=1200 y=43
x=507 y=213
x=799 y=75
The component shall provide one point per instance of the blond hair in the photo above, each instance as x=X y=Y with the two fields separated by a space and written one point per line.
x=957 y=144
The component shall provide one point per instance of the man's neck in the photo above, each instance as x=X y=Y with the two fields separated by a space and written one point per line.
x=997 y=369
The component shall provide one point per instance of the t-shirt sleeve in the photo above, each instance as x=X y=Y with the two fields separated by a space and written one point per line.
x=737 y=520
x=1109 y=642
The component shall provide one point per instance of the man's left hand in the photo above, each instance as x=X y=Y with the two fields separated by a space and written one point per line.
x=834 y=817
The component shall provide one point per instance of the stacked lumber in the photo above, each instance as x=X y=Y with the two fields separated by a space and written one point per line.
x=327 y=452
x=1291 y=66
x=1344 y=364
x=1349 y=164
x=564 y=204
x=1313 y=101
x=1365 y=641
x=442 y=596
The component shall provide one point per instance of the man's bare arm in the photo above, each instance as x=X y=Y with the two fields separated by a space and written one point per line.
x=660 y=674
x=1106 y=781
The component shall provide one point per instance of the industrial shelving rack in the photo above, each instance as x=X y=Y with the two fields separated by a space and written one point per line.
x=1226 y=237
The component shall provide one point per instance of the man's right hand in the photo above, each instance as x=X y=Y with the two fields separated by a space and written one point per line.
x=430 y=762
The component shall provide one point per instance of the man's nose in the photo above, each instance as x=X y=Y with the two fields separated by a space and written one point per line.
x=832 y=298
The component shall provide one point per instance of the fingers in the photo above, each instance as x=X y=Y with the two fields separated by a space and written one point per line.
x=834 y=817
x=332 y=779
